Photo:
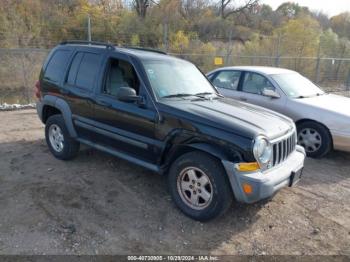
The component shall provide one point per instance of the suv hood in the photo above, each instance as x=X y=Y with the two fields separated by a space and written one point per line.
x=235 y=117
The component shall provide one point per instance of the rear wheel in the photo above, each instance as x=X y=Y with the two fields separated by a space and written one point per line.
x=315 y=138
x=199 y=186
x=61 y=145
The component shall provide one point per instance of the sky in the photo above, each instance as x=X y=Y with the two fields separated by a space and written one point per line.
x=329 y=7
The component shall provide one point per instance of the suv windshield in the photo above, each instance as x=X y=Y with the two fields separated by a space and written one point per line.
x=297 y=86
x=176 y=78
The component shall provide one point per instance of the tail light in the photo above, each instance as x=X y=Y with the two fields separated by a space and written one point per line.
x=37 y=90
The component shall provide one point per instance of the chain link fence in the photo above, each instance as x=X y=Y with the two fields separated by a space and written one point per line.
x=20 y=68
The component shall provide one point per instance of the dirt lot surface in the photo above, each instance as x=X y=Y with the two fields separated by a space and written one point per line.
x=98 y=204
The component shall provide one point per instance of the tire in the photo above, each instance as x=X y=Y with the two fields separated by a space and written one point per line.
x=63 y=147
x=206 y=168
x=315 y=138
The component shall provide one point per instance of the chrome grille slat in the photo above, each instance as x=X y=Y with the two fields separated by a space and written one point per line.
x=283 y=148
x=277 y=153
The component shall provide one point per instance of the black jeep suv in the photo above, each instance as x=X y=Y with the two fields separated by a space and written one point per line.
x=162 y=113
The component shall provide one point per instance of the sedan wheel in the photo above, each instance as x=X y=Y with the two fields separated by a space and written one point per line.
x=310 y=139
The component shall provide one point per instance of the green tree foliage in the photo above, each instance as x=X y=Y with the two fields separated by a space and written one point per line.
x=341 y=24
x=182 y=26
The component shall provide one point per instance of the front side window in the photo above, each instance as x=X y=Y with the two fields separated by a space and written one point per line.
x=57 y=65
x=255 y=83
x=227 y=79
x=120 y=74
x=173 y=77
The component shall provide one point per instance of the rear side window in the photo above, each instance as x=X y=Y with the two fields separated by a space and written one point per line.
x=87 y=71
x=83 y=70
x=74 y=68
x=57 y=65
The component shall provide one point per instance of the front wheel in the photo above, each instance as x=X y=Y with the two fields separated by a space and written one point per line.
x=315 y=138
x=199 y=186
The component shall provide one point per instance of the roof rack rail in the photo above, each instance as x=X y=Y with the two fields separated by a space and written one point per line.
x=107 y=45
x=145 y=49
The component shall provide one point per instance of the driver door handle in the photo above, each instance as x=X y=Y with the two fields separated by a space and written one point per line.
x=104 y=103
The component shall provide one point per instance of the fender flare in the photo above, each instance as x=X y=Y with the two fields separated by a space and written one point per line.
x=210 y=149
x=214 y=150
x=63 y=106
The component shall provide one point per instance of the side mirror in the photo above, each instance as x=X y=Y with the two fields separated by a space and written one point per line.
x=270 y=93
x=128 y=94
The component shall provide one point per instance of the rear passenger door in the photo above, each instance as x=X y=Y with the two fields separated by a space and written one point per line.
x=81 y=80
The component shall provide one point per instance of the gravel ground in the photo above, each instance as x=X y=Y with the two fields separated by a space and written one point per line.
x=98 y=204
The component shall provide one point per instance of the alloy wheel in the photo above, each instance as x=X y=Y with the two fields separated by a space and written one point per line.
x=56 y=138
x=195 y=188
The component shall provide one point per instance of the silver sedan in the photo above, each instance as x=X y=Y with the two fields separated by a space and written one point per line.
x=322 y=120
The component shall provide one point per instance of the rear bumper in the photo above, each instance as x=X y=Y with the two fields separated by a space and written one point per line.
x=39 y=110
x=267 y=183
x=341 y=141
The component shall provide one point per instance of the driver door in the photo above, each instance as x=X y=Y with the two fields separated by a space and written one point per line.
x=127 y=127
x=252 y=88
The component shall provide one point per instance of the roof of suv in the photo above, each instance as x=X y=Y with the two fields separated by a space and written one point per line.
x=146 y=53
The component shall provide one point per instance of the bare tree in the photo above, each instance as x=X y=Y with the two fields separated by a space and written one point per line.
x=191 y=8
x=227 y=7
x=141 y=6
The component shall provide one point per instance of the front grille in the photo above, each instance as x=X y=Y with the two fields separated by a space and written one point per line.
x=283 y=148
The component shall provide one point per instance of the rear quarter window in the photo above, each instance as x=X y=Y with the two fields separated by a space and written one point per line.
x=57 y=66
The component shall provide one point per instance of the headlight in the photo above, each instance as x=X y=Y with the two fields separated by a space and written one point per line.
x=262 y=151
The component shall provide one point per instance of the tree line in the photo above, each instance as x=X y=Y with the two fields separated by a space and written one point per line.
x=201 y=28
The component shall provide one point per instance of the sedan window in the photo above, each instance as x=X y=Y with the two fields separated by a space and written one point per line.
x=255 y=83
x=227 y=79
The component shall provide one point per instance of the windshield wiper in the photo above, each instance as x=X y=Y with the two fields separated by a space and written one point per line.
x=317 y=94
x=208 y=93
x=321 y=94
x=202 y=95
x=178 y=95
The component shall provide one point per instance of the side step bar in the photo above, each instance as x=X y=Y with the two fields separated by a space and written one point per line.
x=121 y=155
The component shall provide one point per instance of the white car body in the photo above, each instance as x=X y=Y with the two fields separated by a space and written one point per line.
x=332 y=111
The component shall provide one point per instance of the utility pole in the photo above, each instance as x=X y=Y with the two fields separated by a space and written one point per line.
x=229 y=49
x=317 y=76
x=165 y=35
x=89 y=28
x=277 y=61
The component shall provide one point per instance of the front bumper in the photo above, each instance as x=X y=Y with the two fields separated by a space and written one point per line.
x=341 y=140
x=266 y=183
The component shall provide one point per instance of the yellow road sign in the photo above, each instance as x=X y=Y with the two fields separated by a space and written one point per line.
x=218 y=60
